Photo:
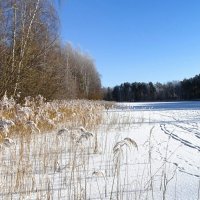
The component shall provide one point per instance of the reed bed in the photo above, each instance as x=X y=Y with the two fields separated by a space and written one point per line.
x=78 y=150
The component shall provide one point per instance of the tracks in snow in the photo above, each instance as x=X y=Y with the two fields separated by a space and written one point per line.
x=189 y=136
x=178 y=138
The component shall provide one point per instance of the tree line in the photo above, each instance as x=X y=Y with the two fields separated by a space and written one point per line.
x=188 y=89
x=34 y=61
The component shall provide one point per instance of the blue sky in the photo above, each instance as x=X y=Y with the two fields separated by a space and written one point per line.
x=135 y=40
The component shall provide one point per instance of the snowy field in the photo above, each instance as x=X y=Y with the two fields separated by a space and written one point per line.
x=139 y=151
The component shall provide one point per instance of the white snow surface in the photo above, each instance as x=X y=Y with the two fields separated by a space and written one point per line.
x=166 y=164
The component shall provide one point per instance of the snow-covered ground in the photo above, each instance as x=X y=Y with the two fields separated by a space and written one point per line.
x=169 y=133
x=140 y=151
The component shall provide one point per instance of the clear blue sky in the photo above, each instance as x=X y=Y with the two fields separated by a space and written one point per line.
x=135 y=40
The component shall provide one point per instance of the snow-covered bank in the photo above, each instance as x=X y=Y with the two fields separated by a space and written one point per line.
x=107 y=164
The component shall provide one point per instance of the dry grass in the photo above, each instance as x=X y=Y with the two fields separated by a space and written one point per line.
x=36 y=116
x=46 y=141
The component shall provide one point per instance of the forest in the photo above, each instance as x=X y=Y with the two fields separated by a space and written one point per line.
x=187 y=89
x=34 y=60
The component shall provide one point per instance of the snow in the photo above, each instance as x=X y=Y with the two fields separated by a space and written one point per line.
x=166 y=164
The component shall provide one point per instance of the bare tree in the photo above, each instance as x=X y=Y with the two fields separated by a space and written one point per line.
x=33 y=61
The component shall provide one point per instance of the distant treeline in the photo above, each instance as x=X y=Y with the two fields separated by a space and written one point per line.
x=34 y=61
x=188 y=89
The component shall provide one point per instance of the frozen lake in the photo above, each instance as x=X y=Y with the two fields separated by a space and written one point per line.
x=175 y=139
x=179 y=105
